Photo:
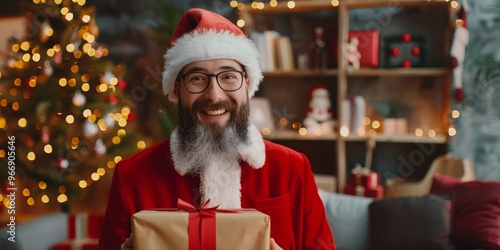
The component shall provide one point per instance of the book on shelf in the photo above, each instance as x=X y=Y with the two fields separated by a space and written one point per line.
x=275 y=50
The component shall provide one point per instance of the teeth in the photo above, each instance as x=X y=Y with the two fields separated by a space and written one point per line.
x=216 y=112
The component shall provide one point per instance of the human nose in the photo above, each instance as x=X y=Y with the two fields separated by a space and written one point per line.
x=213 y=91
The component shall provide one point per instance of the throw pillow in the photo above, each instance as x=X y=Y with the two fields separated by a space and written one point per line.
x=476 y=220
x=348 y=219
x=411 y=223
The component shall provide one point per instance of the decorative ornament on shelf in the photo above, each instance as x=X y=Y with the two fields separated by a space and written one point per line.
x=319 y=113
x=460 y=41
x=318 y=52
x=353 y=55
x=405 y=51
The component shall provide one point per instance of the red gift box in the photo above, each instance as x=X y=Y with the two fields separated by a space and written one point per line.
x=369 y=41
x=83 y=232
x=363 y=182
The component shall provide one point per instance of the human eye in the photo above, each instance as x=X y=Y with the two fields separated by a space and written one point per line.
x=229 y=75
x=196 y=78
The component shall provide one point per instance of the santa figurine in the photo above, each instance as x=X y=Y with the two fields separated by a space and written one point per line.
x=460 y=41
x=319 y=113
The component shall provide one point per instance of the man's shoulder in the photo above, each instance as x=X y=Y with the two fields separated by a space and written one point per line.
x=275 y=149
x=155 y=154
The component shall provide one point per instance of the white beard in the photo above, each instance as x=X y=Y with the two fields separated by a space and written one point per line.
x=219 y=170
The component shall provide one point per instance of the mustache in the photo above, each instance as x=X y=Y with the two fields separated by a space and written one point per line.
x=204 y=105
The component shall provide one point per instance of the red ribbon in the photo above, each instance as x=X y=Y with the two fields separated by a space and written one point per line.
x=201 y=225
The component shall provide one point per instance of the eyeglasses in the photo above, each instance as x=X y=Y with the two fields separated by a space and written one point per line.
x=228 y=80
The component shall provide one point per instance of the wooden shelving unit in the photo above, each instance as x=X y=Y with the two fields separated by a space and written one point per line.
x=425 y=90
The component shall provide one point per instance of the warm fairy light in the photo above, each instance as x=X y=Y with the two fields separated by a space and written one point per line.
x=121 y=132
x=17 y=82
x=125 y=111
x=102 y=87
x=113 y=81
x=240 y=23
x=290 y=4
x=62 y=189
x=26 y=95
x=47 y=148
x=375 y=124
x=91 y=52
x=431 y=133
x=296 y=125
x=75 y=140
x=92 y=118
x=302 y=131
x=31 y=156
x=266 y=131
x=15 y=106
x=30 y=201
x=62 y=198
x=254 y=5
x=372 y=132
x=82 y=184
x=122 y=123
x=70 y=119
x=26 y=57
x=117 y=159
x=69 y=16
x=32 y=83
x=57 y=47
x=36 y=57
x=63 y=82
x=81 y=2
x=344 y=131
x=260 y=5
x=51 y=52
x=101 y=171
x=97 y=112
x=42 y=185
x=22 y=122
x=85 y=18
x=335 y=3
x=3 y=123
x=233 y=3
x=102 y=125
x=283 y=121
x=64 y=10
x=361 y=131
x=45 y=198
x=86 y=47
x=455 y=114
x=318 y=132
x=118 y=116
x=4 y=103
x=241 y=6
x=78 y=54
x=26 y=192
x=58 y=1
x=15 y=48
x=25 y=46
x=141 y=144
x=85 y=87
x=6 y=203
x=111 y=164
x=13 y=91
x=90 y=38
x=86 y=113
x=72 y=82
x=273 y=3
x=49 y=32
x=419 y=132
x=116 y=140
x=454 y=4
x=452 y=131
x=95 y=176
x=70 y=47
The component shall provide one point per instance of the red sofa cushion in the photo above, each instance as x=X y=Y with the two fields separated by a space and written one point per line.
x=476 y=218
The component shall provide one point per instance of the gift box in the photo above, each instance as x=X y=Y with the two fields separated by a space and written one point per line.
x=83 y=232
x=201 y=228
x=364 y=182
x=368 y=47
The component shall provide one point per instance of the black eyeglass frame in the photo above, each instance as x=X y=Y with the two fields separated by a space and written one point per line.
x=209 y=76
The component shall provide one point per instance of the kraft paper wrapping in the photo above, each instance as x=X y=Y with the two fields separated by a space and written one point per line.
x=245 y=230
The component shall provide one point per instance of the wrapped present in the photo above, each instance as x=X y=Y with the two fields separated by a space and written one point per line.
x=200 y=228
x=83 y=232
x=364 y=182
x=368 y=46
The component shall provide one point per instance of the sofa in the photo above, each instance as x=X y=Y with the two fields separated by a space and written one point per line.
x=457 y=215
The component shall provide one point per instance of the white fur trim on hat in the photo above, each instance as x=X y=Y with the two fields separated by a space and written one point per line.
x=202 y=45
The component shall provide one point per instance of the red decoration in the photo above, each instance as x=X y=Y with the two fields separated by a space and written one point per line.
x=122 y=84
x=395 y=51
x=368 y=47
x=406 y=64
x=454 y=62
x=112 y=99
x=406 y=37
x=83 y=232
x=130 y=117
x=364 y=183
x=415 y=50
x=459 y=95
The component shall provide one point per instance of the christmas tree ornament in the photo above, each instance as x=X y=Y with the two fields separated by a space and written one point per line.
x=404 y=51
x=130 y=117
x=112 y=99
x=353 y=55
x=58 y=57
x=45 y=135
x=79 y=99
x=62 y=164
x=122 y=84
x=90 y=129
x=109 y=120
x=100 y=148
x=107 y=76
x=460 y=41
x=48 y=70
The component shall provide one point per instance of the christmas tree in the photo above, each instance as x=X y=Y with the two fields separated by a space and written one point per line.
x=63 y=110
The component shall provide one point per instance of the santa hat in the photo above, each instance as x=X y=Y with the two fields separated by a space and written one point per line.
x=203 y=35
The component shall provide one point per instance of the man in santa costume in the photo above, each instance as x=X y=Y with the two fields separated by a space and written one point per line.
x=212 y=70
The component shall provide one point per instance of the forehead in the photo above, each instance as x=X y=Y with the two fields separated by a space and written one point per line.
x=213 y=65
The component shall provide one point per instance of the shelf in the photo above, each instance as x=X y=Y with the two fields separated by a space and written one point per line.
x=301 y=73
x=300 y=6
x=294 y=135
x=433 y=72
x=438 y=139
x=356 y=4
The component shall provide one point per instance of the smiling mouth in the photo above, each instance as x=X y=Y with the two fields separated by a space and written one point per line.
x=215 y=112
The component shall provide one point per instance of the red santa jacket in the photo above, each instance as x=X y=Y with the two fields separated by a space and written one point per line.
x=283 y=188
